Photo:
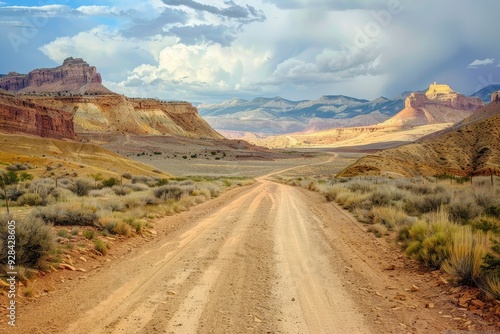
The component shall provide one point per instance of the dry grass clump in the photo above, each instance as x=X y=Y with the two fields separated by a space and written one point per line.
x=467 y=254
x=101 y=246
x=389 y=216
x=100 y=192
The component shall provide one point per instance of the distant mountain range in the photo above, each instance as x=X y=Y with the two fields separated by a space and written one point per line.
x=485 y=93
x=278 y=116
x=274 y=116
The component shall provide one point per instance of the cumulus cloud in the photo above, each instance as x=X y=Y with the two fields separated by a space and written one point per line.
x=232 y=10
x=479 y=62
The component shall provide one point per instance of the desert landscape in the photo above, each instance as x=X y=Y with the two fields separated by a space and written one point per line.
x=183 y=194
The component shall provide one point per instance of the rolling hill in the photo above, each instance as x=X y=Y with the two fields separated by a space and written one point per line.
x=472 y=147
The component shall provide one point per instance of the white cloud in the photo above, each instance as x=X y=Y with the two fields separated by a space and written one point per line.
x=479 y=62
x=51 y=10
x=98 y=10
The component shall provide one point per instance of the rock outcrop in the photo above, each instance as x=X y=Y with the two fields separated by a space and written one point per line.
x=74 y=76
x=18 y=115
x=440 y=104
x=119 y=114
x=495 y=97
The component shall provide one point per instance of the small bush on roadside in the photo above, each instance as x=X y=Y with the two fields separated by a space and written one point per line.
x=68 y=215
x=431 y=242
x=88 y=234
x=389 y=216
x=118 y=227
x=101 y=246
x=378 y=229
x=34 y=240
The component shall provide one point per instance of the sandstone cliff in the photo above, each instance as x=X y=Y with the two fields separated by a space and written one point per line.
x=440 y=104
x=18 y=115
x=74 y=76
x=119 y=114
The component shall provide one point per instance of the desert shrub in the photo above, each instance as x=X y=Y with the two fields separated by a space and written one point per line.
x=61 y=194
x=137 y=186
x=463 y=210
x=127 y=176
x=88 y=234
x=114 y=206
x=361 y=187
x=467 y=254
x=490 y=283
x=173 y=191
x=431 y=242
x=17 y=166
x=68 y=215
x=389 y=216
x=101 y=246
x=331 y=194
x=31 y=200
x=131 y=203
x=493 y=211
x=380 y=198
x=121 y=191
x=42 y=187
x=486 y=198
x=34 y=240
x=112 y=181
x=100 y=192
x=117 y=227
x=137 y=225
x=486 y=224
x=418 y=205
x=141 y=179
x=378 y=229
x=81 y=187
x=149 y=200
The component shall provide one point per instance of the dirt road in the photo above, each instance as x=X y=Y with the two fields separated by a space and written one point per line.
x=267 y=258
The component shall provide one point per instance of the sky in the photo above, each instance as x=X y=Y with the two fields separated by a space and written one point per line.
x=209 y=51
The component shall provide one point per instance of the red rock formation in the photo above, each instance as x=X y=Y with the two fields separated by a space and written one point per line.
x=74 y=76
x=18 y=115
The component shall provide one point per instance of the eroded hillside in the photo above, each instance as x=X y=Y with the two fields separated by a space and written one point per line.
x=471 y=148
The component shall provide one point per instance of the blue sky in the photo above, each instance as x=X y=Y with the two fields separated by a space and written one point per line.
x=213 y=50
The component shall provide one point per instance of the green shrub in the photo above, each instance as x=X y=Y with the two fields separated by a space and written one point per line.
x=430 y=243
x=69 y=215
x=34 y=240
x=486 y=224
x=101 y=246
x=88 y=234
x=110 y=182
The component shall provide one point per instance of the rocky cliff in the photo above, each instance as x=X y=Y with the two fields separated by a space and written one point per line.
x=119 y=114
x=18 y=115
x=440 y=104
x=74 y=76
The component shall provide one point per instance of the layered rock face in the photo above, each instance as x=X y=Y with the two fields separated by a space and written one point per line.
x=74 y=76
x=440 y=104
x=18 y=115
x=118 y=114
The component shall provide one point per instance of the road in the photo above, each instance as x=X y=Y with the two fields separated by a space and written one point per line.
x=266 y=258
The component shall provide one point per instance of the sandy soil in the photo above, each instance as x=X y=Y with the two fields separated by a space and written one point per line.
x=266 y=258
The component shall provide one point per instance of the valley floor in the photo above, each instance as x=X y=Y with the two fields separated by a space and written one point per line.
x=265 y=258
